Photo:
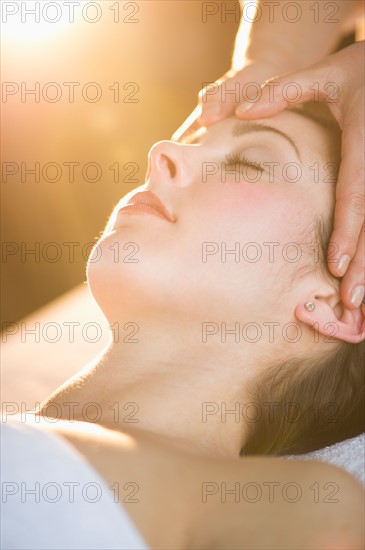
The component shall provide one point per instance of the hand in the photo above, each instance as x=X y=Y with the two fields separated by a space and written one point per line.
x=218 y=100
x=344 y=73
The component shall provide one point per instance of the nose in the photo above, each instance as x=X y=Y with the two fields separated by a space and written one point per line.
x=170 y=162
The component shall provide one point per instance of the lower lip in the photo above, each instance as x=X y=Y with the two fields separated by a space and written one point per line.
x=141 y=209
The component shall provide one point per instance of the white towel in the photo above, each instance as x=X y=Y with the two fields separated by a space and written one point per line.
x=348 y=454
x=39 y=472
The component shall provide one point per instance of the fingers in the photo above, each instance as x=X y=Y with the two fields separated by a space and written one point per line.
x=218 y=100
x=349 y=215
x=353 y=284
x=291 y=89
x=321 y=83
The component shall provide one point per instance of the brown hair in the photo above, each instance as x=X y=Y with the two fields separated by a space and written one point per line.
x=308 y=403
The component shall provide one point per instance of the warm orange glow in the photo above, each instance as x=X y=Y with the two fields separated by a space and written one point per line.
x=98 y=87
x=188 y=123
x=33 y=21
x=238 y=60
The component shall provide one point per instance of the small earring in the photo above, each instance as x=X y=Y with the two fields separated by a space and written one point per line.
x=309 y=306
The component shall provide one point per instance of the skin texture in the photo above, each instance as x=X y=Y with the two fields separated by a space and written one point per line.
x=159 y=438
x=277 y=53
x=348 y=108
x=171 y=376
x=181 y=503
x=171 y=373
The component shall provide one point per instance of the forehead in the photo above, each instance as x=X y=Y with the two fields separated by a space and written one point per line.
x=303 y=133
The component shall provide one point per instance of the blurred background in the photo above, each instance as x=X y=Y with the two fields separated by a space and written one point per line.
x=87 y=88
x=148 y=60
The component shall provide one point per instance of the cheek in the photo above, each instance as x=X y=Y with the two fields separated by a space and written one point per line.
x=251 y=212
x=264 y=224
x=172 y=272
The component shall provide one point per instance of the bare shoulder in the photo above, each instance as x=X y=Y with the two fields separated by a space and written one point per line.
x=159 y=474
x=191 y=501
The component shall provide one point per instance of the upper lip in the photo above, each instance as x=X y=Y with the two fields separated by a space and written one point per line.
x=150 y=199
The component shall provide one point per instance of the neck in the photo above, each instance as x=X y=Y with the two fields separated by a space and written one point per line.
x=193 y=395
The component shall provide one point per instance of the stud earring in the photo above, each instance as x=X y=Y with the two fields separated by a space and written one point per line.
x=309 y=306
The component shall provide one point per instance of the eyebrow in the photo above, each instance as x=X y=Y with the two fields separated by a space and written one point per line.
x=244 y=128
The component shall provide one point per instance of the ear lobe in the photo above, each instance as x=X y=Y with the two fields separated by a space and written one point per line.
x=338 y=323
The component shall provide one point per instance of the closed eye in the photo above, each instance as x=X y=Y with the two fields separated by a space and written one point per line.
x=240 y=160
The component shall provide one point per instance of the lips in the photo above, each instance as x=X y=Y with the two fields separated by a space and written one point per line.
x=150 y=200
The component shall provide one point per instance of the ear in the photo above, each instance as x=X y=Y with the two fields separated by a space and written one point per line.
x=332 y=319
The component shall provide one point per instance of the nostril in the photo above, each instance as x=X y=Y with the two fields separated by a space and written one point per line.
x=171 y=166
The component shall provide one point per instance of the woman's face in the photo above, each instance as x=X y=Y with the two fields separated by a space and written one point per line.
x=238 y=234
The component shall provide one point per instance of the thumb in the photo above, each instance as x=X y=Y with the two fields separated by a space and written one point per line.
x=215 y=102
x=291 y=89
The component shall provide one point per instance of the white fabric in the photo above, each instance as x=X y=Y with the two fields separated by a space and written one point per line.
x=348 y=454
x=88 y=520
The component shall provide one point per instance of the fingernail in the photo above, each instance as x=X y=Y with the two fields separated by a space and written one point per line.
x=357 y=295
x=343 y=264
x=244 y=106
x=211 y=110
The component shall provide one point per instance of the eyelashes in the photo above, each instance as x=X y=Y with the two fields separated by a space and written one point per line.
x=236 y=159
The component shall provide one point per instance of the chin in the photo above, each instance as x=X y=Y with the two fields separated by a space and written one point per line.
x=97 y=279
x=118 y=287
